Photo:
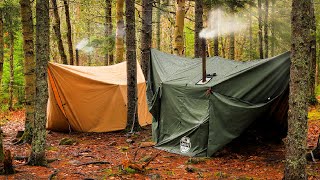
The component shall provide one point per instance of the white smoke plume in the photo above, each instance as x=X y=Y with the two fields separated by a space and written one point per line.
x=83 y=43
x=219 y=22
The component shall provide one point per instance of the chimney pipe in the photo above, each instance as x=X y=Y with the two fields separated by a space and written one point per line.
x=204 y=56
x=77 y=57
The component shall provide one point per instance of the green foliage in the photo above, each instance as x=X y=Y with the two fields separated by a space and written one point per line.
x=129 y=170
x=18 y=84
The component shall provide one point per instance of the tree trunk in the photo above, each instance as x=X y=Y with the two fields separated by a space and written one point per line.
x=57 y=31
x=178 y=46
x=266 y=21
x=216 y=46
x=69 y=35
x=131 y=64
x=260 y=30
x=11 y=36
x=108 y=30
x=7 y=163
x=295 y=166
x=1 y=146
x=146 y=36
x=1 y=45
x=250 y=34
x=89 y=39
x=198 y=25
x=313 y=60
x=120 y=31
x=29 y=68
x=216 y=38
x=272 y=28
x=158 y=30
x=37 y=156
x=231 y=46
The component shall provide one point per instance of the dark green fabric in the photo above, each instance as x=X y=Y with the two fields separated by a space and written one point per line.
x=213 y=114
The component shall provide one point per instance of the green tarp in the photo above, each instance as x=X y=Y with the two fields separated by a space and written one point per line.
x=197 y=120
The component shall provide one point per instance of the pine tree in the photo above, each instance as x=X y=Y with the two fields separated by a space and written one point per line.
x=295 y=166
x=146 y=36
x=29 y=68
x=178 y=46
x=198 y=25
x=37 y=156
x=56 y=28
x=131 y=65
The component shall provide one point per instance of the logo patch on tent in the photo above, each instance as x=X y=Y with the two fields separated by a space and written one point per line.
x=185 y=144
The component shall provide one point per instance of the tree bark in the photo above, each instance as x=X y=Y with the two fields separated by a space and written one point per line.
x=260 y=30
x=198 y=25
x=231 y=46
x=313 y=60
x=158 y=19
x=178 y=46
x=250 y=34
x=37 y=156
x=266 y=27
x=216 y=38
x=108 y=32
x=120 y=31
x=29 y=67
x=69 y=34
x=295 y=166
x=56 y=28
x=1 y=45
x=131 y=65
x=146 y=36
x=1 y=146
x=1 y=72
x=272 y=28
x=11 y=36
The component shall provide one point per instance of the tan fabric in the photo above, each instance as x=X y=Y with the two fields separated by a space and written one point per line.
x=92 y=99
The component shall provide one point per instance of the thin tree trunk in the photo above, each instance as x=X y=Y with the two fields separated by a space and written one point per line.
x=89 y=39
x=1 y=72
x=29 y=68
x=158 y=30
x=57 y=31
x=313 y=60
x=131 y=65
x=223 y=44
x=250 y=34
x=146 y=36
x=37 y=156
x=11 y=36
x=216 y=38
x=231 y=46
x=1 y=146
x=260 y=30
x=1 y=45
x=69 y=34
x=272 y=28
x=216 y=46
x=109 y=54
x=266 y=21
x=198 y=25
x=295 y=166
x=120 y=31
x=178 y=46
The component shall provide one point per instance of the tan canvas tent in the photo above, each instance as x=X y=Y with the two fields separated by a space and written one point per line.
x=92 y=99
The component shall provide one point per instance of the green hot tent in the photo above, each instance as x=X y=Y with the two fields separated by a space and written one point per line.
x=195 y=119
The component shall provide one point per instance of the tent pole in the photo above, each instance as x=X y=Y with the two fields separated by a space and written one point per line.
x=204 y=55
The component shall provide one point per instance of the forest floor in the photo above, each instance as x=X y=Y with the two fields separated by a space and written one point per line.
x=107 y=155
